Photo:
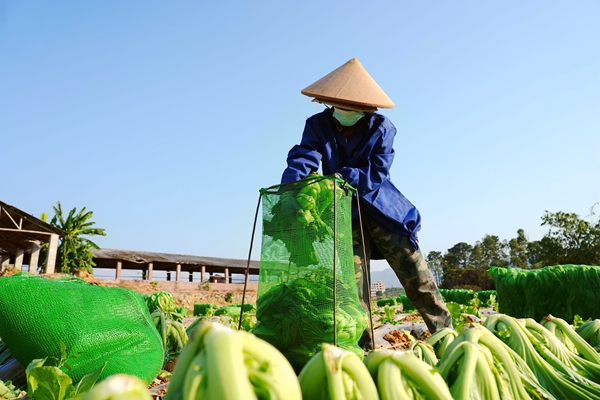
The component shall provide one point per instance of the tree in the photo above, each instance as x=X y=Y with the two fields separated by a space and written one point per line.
x=435 y=262
x=74 y=251
x=570 y=240
x=494 y=252
x=458 y=256
x=517 y=250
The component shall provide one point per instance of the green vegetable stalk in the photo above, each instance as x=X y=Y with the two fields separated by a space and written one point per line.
x=399 y=374
x=221 y=363
x=336 y=374
x=551 y=373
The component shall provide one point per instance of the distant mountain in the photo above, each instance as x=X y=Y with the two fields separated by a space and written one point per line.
x=388 y=276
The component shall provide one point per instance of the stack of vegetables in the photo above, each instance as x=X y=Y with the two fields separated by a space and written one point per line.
x=204 y=309
x=557 y=369
x=460 y=296
x=561 y=290
x=168 y=320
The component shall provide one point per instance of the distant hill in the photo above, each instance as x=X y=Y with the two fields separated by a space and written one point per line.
x=388 y=276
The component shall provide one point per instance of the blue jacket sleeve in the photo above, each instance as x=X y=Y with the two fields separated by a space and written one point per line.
x=368 y=178
x=304 y=158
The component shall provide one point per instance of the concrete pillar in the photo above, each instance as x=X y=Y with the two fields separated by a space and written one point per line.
x=178 y=273
x=191 y=276
x=35 y=257
x=150 y=269
x=19 y=259
x=202 y=273
x=227 y=275
x=4 y=261
x=52 y=249
x=119 y=270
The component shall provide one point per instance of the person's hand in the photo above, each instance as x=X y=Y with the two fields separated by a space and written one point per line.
x=338 y=175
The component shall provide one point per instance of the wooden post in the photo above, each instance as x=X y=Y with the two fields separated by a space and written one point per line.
x=35 y=257
x=150 y=269
x=52 y=249
x=119 y=269
x=178 y=273
x=19 y=259
x=202 y=273
x=191 y=276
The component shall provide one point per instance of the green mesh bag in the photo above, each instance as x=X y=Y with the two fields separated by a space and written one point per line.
x=101 y=324
x=307 y=230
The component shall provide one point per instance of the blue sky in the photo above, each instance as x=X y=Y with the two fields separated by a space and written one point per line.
x=166 y=118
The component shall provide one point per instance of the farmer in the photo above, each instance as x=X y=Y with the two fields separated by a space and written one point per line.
x=351 y=139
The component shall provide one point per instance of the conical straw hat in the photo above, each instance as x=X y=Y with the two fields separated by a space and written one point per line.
x=351 y=86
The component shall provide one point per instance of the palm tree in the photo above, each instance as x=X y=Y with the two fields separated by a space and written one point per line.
x=74 y=251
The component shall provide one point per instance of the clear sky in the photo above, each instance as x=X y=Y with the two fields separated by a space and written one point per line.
x=166 y=118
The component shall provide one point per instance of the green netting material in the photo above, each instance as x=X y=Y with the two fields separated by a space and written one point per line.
x=102 y=324
x=561 y=290
x=295 y=298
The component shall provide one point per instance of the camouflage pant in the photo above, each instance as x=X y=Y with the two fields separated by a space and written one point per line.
x=410 y=268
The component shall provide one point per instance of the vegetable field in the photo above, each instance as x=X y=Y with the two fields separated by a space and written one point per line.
x=489 y=355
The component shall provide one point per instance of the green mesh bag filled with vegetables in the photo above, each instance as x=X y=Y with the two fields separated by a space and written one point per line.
x=306 y=267
x=97 y=324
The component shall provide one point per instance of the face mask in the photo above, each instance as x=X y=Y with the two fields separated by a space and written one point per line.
x=347 y=118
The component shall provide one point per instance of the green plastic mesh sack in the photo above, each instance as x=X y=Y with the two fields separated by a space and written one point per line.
x=561 y=290
x=303 y=223
x=101 y=324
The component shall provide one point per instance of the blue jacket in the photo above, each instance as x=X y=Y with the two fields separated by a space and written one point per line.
x=366 y=168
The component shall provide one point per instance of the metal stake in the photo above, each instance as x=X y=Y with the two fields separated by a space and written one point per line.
x=365 y=272
x=248 y=265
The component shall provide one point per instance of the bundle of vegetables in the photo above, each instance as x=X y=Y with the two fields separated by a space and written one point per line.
x=477 y=365
x=388 y=315
x=424 y=352
x=165 y=302
x=297 y=317
x=406 y=304
x=440 y=340
x=399 y=374
x=386 y=302
x=229 y=311
x=552 y=374
x=561 y=290
x=460 y=296
x=248 y=307
x=486 y=297
x=8 y=391
x=119 y=387
x=567 y=346
x=204 y=309
x=221 y=363
x=303 y=215
x=172 y=333
x=557 y=331
x=334 y=373
x=590 y=332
